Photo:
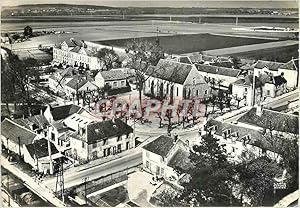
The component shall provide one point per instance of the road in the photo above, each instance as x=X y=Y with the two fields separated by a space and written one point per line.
x=73 y=178
x=283 y=100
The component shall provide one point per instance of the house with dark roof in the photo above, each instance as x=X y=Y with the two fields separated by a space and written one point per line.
x=266 y=85
x=165 y=154
x=14 y=136
x=171 y=79
x=37 y=123
x=289 y=70
x=58 y=113
x=217 y=75
x=258 y=117
x=60 y=77
x=79 y=84
x=37 y=155
x=240 y=140
x=101 y=139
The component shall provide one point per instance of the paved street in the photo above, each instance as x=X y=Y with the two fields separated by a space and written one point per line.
x=73 y=178
x=283 y=99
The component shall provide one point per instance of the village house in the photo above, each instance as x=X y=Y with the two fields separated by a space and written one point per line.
x=37 y=123
x=58 y=113
x=163 y=155
x=287 y=70
x=116 y=79
x=79 y=85
x=37 y=155
x=266 y=85
x=101 y=139
x=171 y=79
x=58 y=80
x=279 y=123
x=240 y=141
x=76 y=53
x=219 y=77
x=15 y=136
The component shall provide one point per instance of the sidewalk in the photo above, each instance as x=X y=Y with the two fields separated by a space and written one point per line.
x=38 y=188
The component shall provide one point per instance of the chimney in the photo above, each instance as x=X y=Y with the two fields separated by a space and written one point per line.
x=41 y=112
x=259 y=110
x=113 y=120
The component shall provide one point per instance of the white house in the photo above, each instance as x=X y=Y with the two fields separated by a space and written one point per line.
x=79 y=84
x=172 y=79
x=239 y=141
x=60 y=77
x=218 y=75
x=37 y=155
x=116 y=79
x=76 y=53
x=163 y=155
x=101 y=139
x=288 y=70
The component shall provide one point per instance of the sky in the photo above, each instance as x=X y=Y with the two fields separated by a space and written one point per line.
x=164 y=3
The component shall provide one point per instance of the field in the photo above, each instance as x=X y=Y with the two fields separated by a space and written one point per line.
x=280 y=54
x=192 y=42
x=97 y=31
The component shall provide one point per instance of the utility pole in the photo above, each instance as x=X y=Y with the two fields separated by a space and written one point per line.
x=60 y=184
x=19 y=142
x=50 y=153
x=85 y=179
x=253 y=90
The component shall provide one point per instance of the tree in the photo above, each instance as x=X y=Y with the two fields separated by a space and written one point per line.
x=256 y=179
x=142 y=54
x=109 y=58
x=211 y=175
x=27 y=31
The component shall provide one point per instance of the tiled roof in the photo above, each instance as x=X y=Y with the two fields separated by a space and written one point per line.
x=248 y=80
x=218 y=70
x=74 y=42
x=170 y=70
x=282 y=122
x=40 y=148
x=77 y=82
x=62 y=112
x=160 y=146
x=291 y=65
x=105 y=129
x=180 y=159
x=256 y=138
x=269 y=64
x=113 y=75
x=76 y=49
x=13 y=131
x=38 y=120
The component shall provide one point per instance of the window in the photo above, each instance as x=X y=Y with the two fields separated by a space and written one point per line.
x=127 y=145
x=52 y=136
x=177 y=91
x=119 y=138
x=147 y=165
x=115 y=84
x=246 y=89
x=233 y=149
x=197 y=93
x=206 y=92
x=105 y=142
x=119 y=147
x=123 y=83
x=268 y=92
x=94 y=154
x=83 y=144
x=94 y=145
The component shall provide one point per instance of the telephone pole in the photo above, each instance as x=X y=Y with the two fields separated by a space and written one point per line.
x=85 y=179
x=60 y=183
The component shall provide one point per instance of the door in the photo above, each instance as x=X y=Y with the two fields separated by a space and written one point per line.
x=157 y=170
